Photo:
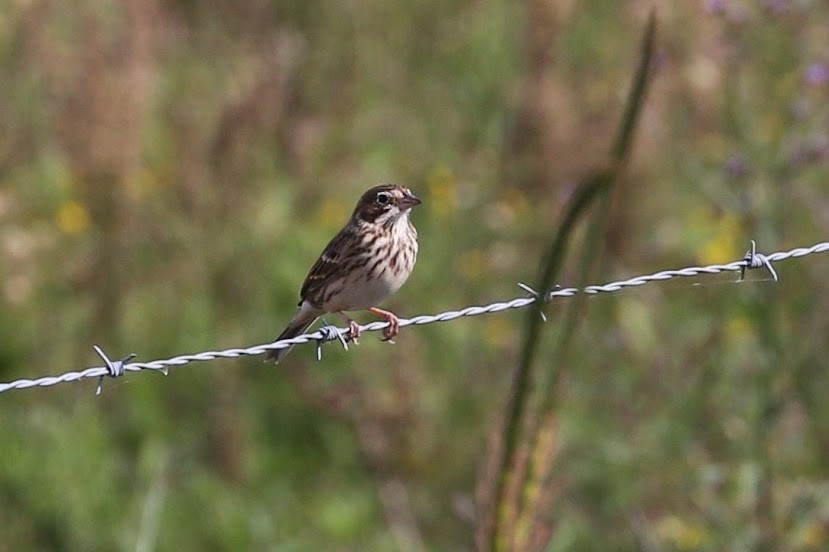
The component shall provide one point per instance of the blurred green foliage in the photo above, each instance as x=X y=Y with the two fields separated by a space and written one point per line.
x=170 y=170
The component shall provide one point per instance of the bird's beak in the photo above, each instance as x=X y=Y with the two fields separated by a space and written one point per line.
x=408 y=201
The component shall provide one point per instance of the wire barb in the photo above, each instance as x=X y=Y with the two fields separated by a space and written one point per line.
x=537 y=297
x=330 y=333
x=115 y=369
x=754 y=260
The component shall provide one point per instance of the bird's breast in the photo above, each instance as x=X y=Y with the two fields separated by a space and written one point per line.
x=381 y=268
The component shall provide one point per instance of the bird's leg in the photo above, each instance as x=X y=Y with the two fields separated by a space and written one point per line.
x=353 y=328
x=394 y=323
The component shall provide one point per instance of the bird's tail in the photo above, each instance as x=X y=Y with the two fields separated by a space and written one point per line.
x=300 y=323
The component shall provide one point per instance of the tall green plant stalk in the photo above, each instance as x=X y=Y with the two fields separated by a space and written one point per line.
x=593 y=189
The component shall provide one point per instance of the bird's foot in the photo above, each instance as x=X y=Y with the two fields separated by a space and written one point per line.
x=391 y=331
x=353 y=332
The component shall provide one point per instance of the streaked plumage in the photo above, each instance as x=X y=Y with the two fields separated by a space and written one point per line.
x=367 y=261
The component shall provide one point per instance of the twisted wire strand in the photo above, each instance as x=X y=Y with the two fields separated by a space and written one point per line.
x=752 y=260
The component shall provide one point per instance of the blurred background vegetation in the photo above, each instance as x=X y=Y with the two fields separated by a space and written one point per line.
x=169 y=170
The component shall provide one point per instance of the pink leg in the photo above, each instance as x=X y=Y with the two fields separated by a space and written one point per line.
x=394 y=323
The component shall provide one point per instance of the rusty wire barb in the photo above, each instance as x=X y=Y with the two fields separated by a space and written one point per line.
x=752 y=260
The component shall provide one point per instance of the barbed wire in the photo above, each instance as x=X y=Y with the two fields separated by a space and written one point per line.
x=751 y=260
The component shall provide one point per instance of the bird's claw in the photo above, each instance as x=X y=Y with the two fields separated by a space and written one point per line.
x=391 y=331
x=354 y=332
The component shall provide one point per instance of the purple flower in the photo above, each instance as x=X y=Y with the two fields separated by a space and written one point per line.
x=777 y=7
x=715 y=6
x=817 y=74
x=736 y=166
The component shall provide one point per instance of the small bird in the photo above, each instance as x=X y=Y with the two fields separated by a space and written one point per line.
x=366 y=262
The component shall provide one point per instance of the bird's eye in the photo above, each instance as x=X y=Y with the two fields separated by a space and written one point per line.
x=383 y=198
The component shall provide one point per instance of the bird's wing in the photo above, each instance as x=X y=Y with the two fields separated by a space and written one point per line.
x=329 y=263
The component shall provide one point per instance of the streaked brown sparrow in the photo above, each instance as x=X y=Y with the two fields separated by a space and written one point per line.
x=366 y=262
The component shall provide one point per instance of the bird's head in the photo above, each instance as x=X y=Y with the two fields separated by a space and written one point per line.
x=385 y=203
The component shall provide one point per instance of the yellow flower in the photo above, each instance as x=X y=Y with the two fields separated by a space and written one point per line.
x=813 y=535
x=441 y=185
x=680 y=533
x=722 y=247
x=738 y=327
x=72 y=218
